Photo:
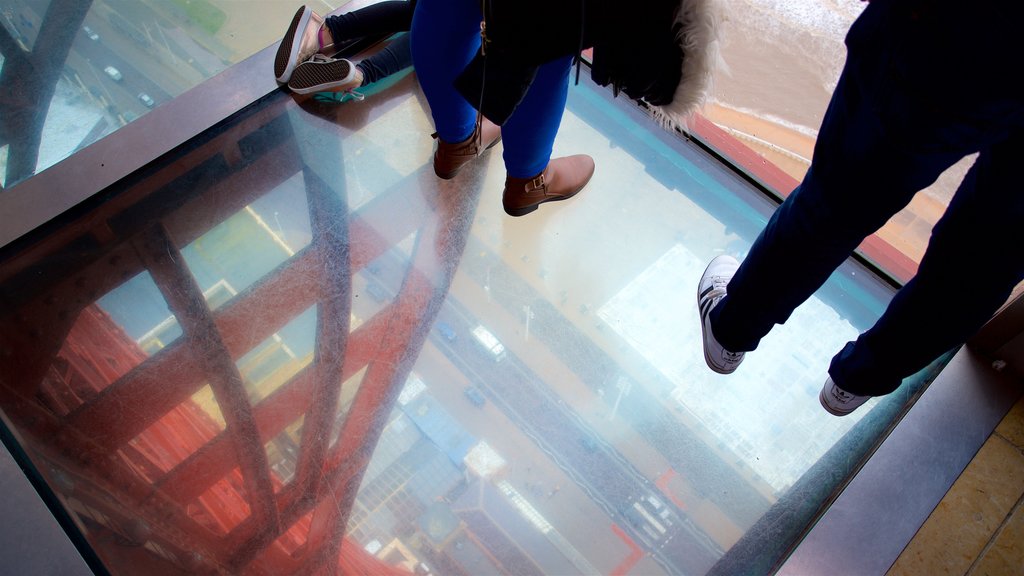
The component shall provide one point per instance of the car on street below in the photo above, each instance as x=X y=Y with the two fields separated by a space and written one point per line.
x=377 y=292
x=114 y=73
x=589 y=444
x=475 y=396
x=146 y=99
x=489 y=342
x=447 y=331
x=89 y=32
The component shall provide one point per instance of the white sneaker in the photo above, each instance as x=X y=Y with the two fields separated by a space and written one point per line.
x=837 y=401
x=710 y=290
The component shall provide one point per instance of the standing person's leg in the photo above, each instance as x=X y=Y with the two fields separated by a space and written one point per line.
x=878 y=145
x=972 y=263
x=529 y=136
x=445 y=37
x=530 y=131
x=859 y=178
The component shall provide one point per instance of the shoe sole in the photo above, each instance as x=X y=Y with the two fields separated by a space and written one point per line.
x=309 y=79
x=704 y=329
x=527 y=209
x=288 y=51
x=523 y=211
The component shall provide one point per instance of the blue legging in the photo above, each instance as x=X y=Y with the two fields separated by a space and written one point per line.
x=878 y=145
x=445 y=37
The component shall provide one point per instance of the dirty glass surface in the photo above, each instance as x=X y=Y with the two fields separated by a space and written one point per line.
x=289 y=347
x=75 y=71
x=105 y=63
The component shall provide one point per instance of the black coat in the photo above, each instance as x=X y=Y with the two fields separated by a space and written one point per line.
x=636 y=49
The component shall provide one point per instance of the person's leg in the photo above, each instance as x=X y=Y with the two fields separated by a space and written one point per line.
x=878 y=145
x=340 y=75
x=883 y=138
x=374 y=20
x=972 y=263
x=395 y=57
x=529 y=134
x=445 y=37
x=309 y=34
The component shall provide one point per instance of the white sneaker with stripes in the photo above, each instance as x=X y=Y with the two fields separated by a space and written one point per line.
x=710 y=291
x=837 y=401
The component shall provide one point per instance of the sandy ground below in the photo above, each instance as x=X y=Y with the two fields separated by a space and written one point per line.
x=792 y=150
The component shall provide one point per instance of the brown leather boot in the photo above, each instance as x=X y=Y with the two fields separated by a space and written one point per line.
x=563 y=178
x=450 y=158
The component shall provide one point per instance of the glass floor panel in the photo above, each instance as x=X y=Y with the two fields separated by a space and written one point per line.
x=287 y=346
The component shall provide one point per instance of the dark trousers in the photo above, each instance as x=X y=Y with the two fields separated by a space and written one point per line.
x=896 y=121
x=376 y=20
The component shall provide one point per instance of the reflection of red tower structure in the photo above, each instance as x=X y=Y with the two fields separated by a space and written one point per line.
x=156 y=485
x=94 y=364
x=97 y=353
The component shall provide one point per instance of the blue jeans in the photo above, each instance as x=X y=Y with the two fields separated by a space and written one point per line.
x=885 y=136
x=445 y=37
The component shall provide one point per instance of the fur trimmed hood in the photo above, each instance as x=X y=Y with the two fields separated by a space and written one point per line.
x=661 y=52
x=698 y=24
x=664 y=55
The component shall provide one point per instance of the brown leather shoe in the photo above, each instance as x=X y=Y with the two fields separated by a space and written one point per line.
x=563 y=178
x=450 y=158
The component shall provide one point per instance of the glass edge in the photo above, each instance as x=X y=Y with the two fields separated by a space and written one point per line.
x=49 y=497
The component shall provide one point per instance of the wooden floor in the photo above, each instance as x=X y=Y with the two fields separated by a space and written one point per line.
x=978 y=528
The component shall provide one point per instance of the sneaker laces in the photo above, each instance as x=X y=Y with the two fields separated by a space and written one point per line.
x=708 y=303
x=717 y=292
x=719 y=283
x=337 y=97
x=711 y=298
x=320 y=58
